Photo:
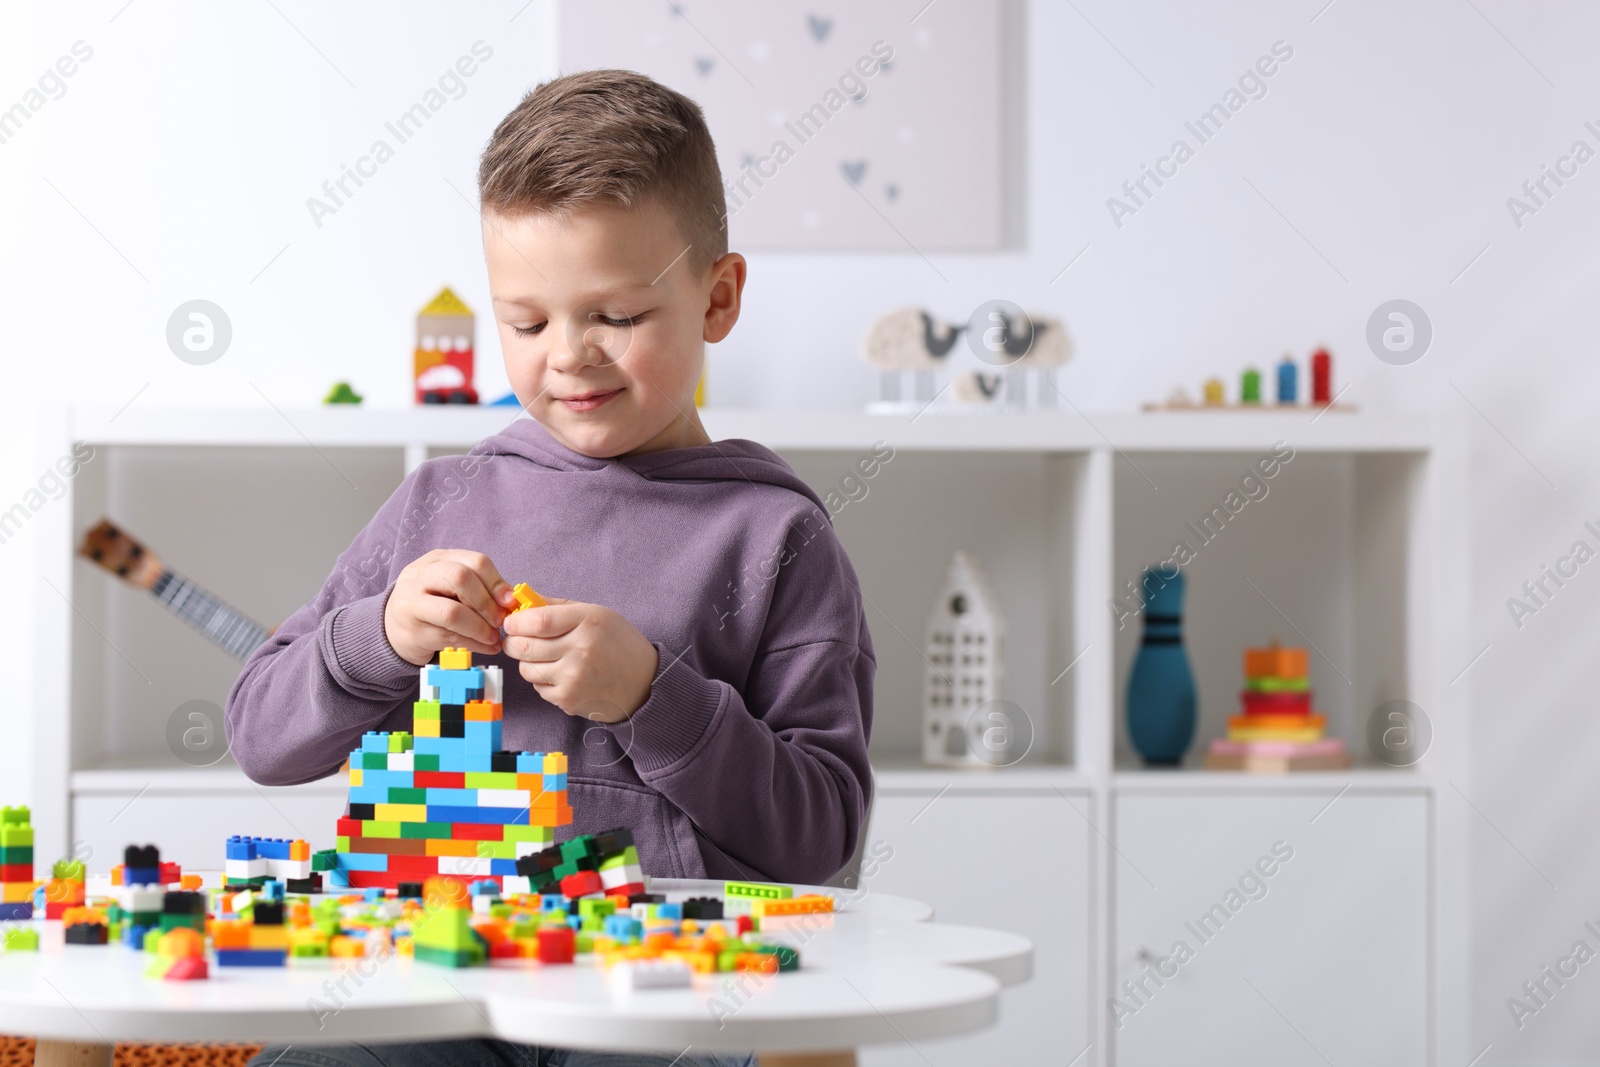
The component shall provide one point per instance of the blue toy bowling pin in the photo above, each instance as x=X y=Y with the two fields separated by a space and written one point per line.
x=1161 y=694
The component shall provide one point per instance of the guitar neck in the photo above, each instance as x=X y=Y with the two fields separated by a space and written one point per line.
x=221 y=623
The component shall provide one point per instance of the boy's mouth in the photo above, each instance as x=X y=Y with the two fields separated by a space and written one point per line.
x=587 y=401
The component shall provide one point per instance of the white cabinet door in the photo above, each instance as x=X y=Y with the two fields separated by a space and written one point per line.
x=1266 y=930
x=1018 y=862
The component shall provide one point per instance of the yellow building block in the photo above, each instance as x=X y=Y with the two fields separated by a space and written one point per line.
x=355 y=775
x=269 y=936
x=420 y=728
x=16 y=892
x=526 y=598
x=455 y=659
x=555 y=763
x=401 y=812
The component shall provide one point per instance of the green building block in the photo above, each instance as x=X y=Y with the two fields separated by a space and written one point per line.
x=399 y=741
x=490 y=780
x=14 y=816
x=425 y=709
x=425 y=829
x=16 y=854
x=425 y=761
x=324 y=859
x=15 y=836
x=22 y=939
x=68 y=870
x=405 y=795
x=757 y=890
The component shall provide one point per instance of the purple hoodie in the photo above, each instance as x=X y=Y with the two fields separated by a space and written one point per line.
x=748 y=760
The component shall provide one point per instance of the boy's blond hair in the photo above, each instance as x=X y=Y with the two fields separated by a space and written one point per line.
x=608 y=136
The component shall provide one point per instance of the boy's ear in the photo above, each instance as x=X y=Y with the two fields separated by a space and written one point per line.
x=722 y=301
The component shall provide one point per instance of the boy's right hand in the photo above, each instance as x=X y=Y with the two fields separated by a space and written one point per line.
x=447 y=598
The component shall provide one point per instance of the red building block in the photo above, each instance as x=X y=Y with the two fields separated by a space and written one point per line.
x=558 y=944
x=581 y=884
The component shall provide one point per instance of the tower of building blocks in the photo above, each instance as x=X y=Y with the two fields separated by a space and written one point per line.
x=1278 y=730
x=444 y=799
x=16 y=864
x=65 y=889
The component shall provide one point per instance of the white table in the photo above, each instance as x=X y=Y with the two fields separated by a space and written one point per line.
x=875 y=972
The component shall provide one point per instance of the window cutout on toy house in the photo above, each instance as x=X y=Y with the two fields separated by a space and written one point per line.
x=815 y=152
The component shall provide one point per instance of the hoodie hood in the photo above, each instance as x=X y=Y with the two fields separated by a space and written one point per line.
x=730 y=460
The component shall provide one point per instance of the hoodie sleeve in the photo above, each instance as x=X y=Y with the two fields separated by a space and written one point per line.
x=328 y=674
x=775 y=776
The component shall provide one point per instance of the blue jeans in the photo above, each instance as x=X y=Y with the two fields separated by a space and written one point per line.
x=478 y=1053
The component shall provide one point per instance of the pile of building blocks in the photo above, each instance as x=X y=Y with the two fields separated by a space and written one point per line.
x=16 y=864
x=1278 y=731
x=253 y=861
x=444 y=799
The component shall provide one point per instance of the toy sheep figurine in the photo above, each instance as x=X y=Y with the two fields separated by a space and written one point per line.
x=908 y=340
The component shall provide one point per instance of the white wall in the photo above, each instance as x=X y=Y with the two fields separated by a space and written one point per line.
x=178 y=163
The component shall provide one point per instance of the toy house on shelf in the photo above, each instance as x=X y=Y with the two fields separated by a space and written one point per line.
x=442 y=364
x=966 y=668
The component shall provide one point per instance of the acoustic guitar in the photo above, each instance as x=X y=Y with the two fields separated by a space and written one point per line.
x=218 y=621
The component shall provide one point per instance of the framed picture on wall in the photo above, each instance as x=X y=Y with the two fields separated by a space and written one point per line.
x=865 y=126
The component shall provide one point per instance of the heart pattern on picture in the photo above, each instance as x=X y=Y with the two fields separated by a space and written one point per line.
x=819 y=27
x=703 y=64
x=892 y=191
x=854 y=170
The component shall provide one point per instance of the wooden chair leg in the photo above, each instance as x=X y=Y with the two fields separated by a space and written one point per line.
x=807 y=1059
x=70 y=1054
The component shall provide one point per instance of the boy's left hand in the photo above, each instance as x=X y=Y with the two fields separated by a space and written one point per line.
x=584 y=658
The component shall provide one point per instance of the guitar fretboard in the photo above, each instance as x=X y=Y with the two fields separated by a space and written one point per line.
x=225 y=627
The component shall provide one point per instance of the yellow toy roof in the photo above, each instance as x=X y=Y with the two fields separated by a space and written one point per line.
x=446 y=303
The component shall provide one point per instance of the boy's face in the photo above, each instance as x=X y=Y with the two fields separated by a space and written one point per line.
x=603 y=322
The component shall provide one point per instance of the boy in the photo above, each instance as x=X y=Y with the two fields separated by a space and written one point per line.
x=704 y=661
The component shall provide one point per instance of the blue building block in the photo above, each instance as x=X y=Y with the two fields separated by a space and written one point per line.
x=337 y=879
x=441 y=746
x=483 y=736
x=555 y=783
x=457 y=686
x=271 y=890
x=373 y=741
x=502 y=867
x=241 y=848
x=273 y=848
x=669 y=911
x=374 y=894
x=530 y=762
x=369 y=794
x=458 y=798
x=141 y=875
x=363 y=861
x=623 y=927
x=20 y=910
x=448 y=813
x=552 y=902
x=478 y=761
x=251 y=957
x=388 y=779
x=486 y=887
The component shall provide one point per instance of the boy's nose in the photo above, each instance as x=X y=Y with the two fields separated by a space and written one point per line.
x=596 y=344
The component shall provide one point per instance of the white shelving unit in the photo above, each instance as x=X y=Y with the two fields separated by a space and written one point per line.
x=1358 y=550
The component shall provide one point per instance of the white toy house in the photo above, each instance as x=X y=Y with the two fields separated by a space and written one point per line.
x=966 y=671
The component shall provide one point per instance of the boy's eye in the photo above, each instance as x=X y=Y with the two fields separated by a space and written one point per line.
x=528 y=331
x=609 y=321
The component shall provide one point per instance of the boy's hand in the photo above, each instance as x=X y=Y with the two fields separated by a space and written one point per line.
x=585 y=659
x=447 y=598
